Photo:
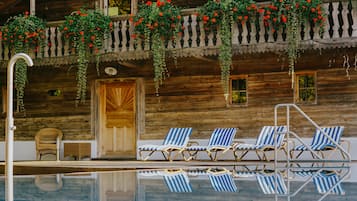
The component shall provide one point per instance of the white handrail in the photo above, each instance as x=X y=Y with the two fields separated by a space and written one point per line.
x=10 y=127
x=291 y=105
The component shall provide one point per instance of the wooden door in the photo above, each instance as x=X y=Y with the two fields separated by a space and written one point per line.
x=117 y=186
x=117 y=136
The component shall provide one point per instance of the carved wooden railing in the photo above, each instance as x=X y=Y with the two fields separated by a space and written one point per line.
x=340 y=30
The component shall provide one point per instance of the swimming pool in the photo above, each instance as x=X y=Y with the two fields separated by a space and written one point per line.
x=246 y=183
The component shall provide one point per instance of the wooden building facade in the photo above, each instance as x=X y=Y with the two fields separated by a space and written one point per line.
x=123 y=108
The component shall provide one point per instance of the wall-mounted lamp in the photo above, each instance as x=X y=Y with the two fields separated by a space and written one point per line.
x=110 y=71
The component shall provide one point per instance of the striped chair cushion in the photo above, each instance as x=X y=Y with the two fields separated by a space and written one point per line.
x=265 y=138
x=268 y=183
x=178 y=183
x=223 y=182
x=221 y=137
x=324 y=183
x=320 y=141
x=175 y=138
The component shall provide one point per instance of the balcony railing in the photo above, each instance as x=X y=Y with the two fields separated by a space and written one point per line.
x=340 y=31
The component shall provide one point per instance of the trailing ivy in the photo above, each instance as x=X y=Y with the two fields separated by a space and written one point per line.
x=220 y=16
x=86 y=30
x=23 y=33
x=157 y=23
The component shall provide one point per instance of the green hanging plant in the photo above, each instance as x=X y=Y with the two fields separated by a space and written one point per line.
x=290 y=15
x=220 y=16
x=86 y=30
x=23 y=33
x=157 y=23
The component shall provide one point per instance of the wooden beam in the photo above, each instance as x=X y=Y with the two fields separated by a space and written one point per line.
x=203 y=58
x=129 y=65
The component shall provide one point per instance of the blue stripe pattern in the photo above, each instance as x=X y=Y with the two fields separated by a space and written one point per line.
x=265 y=138
x=178 y=183
x=223 y=182
x=324 y=183
x=220 y=137
x=268 y=183
x=321 y=142
x=176 y=137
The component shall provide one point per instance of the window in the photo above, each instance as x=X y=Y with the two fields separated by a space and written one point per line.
x=119 y=7
x=305 y=87
x=239 y=90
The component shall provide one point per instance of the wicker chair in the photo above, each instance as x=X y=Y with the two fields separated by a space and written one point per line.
x=48 y=142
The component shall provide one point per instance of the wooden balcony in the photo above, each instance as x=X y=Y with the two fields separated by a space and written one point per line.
x=340 y=31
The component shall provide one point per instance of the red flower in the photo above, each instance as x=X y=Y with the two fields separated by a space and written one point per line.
x=213 y=20
x=161 y=14
x=313 y=10
x=81 y=33
x=205 y=18
x=148 y=3
x=27 y=13
x=284 y=19
x=179 y=17
x=308 y=1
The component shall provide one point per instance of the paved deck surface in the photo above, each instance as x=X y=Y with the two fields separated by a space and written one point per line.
x=47 y=167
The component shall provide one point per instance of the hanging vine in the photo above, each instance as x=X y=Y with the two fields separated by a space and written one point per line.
x=86 y=30
x=23 y=33
x=292 y=15
x=219 y=16
x=157 y=23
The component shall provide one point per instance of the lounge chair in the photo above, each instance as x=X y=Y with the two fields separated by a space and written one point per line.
x=325 y=181
x=272 y=183
x=222 y=180
x=320 y=142
x=328 y=183
x=176 y=181
x=221 y=140
x=265 y=142
x=175 y=141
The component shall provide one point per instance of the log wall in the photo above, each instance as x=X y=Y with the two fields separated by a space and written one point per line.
x=192 y=97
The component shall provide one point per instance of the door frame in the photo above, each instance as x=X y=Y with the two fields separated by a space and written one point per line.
x=139 y=107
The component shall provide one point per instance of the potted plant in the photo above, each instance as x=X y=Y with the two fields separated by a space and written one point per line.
x=291 y=15
x=156 y=23
x=23 y=33
x=220 y=15
x=86 y=31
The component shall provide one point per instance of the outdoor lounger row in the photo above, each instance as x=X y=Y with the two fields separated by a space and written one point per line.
x=270 y=182
x=222 y=140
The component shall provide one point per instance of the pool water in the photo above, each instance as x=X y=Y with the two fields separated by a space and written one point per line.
x=253 y=183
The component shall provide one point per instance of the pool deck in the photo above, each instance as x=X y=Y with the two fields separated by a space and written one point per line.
x=34 y=167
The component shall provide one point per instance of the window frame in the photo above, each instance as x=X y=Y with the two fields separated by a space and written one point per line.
x=297 y=87
x=104 y=5
x=236 y=77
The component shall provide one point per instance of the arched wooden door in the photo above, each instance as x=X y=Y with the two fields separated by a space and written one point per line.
x=117 y=136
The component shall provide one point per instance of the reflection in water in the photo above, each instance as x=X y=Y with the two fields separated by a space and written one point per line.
x=246 y=183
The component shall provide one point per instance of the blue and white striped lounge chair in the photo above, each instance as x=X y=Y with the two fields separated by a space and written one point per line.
x=221 y=140
x=272 y=183
x=222 y=180
x=265 y=142
x=328 y=183
x=177 y=182
x=320 y=142
x=175 y=141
